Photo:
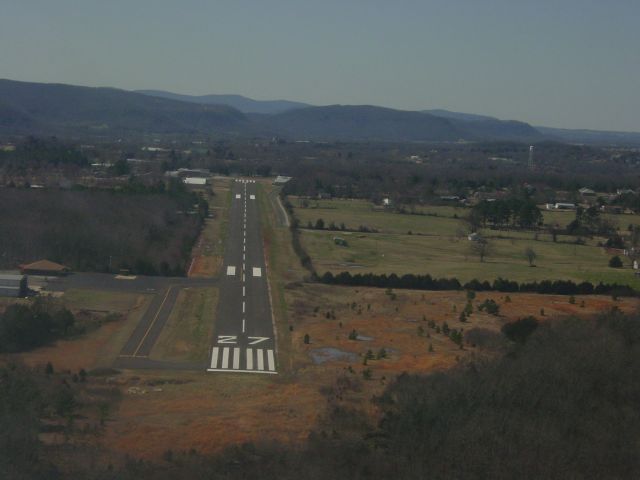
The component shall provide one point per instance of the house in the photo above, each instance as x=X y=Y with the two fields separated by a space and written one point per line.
x=44 y=267
x=474 y=237
x=12 y=285
x=386 y=202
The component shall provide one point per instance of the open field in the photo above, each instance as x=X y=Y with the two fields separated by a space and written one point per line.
x=160 y=411
x=209 y=249
x=186 y=336
x=438 y=247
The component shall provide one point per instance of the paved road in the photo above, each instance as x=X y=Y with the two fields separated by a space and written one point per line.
x=106 y=281
x=244 y=339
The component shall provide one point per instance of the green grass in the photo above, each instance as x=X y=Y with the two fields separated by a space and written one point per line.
x=441 y=251
x=187 y=333
x=82 y=299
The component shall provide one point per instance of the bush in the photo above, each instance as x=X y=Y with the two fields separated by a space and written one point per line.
x=615 y=262
x=490 y=306
x=521 y=329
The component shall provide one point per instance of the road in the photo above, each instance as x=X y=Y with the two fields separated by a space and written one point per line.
x=244 y=339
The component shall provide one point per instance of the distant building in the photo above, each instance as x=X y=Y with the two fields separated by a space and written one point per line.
x=44 y=267
x=450 y=198
x=188 y=172
x=561 y=206
x=386 y=202
x=13 y=285
x=197 y=181
x=281 y=180
x=586 y=192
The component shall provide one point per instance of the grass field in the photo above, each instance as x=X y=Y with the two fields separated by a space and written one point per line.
x=188 y=331
x=99 y=300
x=436 y=246
x=209 y=249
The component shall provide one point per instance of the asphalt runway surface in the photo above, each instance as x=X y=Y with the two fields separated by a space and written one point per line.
x=244 y=339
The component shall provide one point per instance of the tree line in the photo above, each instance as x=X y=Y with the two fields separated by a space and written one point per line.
x=427 y=282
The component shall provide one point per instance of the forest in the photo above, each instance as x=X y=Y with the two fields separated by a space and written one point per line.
x=145 y=230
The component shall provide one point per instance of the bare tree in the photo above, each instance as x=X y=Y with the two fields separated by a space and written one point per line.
x=531 y=255
x=481 y=247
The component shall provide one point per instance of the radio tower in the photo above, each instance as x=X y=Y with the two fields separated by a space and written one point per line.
x=531 y=161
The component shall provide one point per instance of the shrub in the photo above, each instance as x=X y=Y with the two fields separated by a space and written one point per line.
x=615 y=262
x=520 y=330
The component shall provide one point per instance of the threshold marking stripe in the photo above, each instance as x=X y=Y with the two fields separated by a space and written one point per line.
x=214 y=357
x=225 y=357
x=236 y=358
x=271 y=360
x=260 y=359
x=249 y=359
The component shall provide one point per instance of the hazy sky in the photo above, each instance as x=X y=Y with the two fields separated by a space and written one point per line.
x=564 y=63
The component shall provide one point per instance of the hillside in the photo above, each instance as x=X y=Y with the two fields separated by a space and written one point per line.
x=37 y=108
x=490 y=128
x=239 y=102
x=593 y=137
x=363 y=122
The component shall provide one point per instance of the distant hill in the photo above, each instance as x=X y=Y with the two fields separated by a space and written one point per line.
x=490 y=128
x=244 y=104
x=363 y=122
x=55 y=109
x=38 y=108
x=593 y=137
x=469 y=117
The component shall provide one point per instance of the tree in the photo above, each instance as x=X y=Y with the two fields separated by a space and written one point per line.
x=520 y=330
x=481 y=247
x=531 y=255
x=319 y=224
x=615 y=262
x=306 y=339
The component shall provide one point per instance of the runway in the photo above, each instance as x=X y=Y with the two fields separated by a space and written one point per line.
x=244 y=340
